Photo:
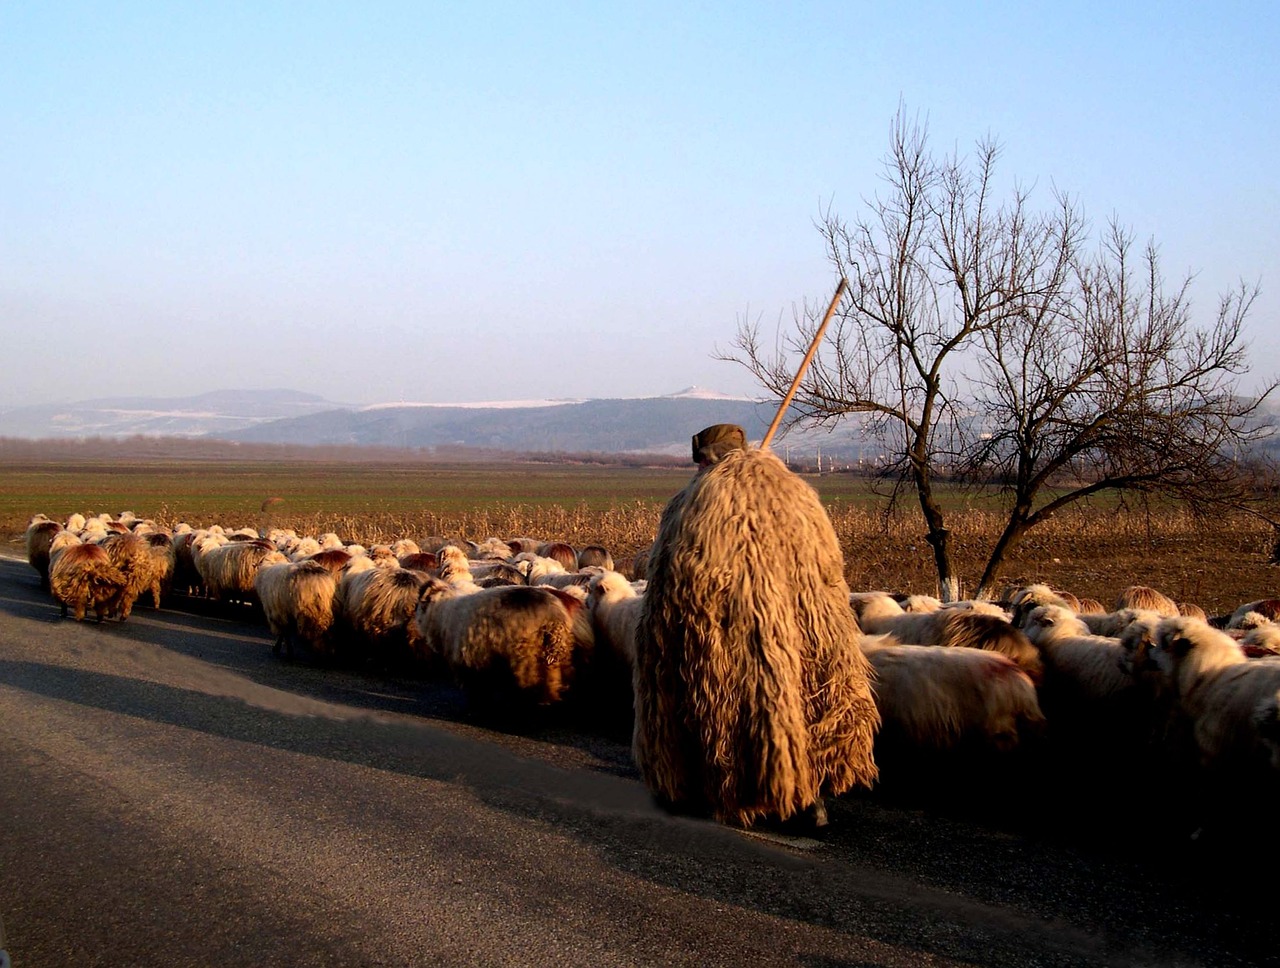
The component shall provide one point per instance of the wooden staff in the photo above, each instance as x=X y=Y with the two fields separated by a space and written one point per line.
x=808 y=358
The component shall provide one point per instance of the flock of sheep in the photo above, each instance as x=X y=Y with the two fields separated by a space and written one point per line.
x=1150 y=687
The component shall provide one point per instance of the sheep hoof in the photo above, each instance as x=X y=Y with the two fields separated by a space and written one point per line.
x=817 y=814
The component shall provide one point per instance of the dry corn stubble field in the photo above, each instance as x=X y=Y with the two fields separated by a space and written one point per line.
x=1094 y=551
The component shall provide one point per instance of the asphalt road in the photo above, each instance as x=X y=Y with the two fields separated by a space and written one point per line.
x=172 y=794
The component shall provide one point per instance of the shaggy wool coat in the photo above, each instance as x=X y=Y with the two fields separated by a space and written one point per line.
x=752 y=696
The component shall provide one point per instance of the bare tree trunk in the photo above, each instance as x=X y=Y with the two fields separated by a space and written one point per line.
x=1014 y=528
x=937 y=536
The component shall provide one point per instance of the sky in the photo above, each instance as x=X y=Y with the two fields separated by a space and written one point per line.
x=456 y=202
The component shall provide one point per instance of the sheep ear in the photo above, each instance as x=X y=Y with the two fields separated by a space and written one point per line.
x=1180 y=646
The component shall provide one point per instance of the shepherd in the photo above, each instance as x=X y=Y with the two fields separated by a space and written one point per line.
x=752 y=697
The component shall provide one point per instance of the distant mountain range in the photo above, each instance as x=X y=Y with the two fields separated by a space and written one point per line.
x=645 y=425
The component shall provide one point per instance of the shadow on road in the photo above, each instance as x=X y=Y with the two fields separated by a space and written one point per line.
x=1084 y=903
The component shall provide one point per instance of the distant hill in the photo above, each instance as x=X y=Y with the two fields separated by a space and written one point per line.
x=655 y=425
x=204 y=415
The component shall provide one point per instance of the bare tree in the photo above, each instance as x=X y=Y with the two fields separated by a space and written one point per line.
x=982 y=336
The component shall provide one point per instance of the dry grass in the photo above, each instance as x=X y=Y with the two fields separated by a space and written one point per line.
x=1091 y=551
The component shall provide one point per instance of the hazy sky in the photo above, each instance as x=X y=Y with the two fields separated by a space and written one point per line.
x=481 y=201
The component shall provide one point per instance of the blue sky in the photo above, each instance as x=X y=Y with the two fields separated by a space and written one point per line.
x=429 y=202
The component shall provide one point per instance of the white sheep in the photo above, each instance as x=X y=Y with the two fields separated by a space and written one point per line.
x=39 y=536
x=492 y=549
x=1030 y=597
x=922 y=627
x=615 y=608
x=405 y=546
x=1262 y=641
x=505 y=643
x=970 y=624
x=1254 y=614
x=567 y=579
x=536 y=568
x=297 y=599
x=1095 y=705
x=1114 y=623
x=454 y=568
x=1091 y=667
x=299 y=548
x=1219 y=691
x=374 y=609
x=228 y=570
x=941 y=701
x=921 y=603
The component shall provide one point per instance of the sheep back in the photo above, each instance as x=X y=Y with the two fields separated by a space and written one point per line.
x=503 y=642
x=81 y=577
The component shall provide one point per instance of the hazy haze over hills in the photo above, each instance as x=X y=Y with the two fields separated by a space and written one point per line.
x=652 y=424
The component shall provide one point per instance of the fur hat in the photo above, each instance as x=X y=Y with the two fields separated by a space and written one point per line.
x=712 y=443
